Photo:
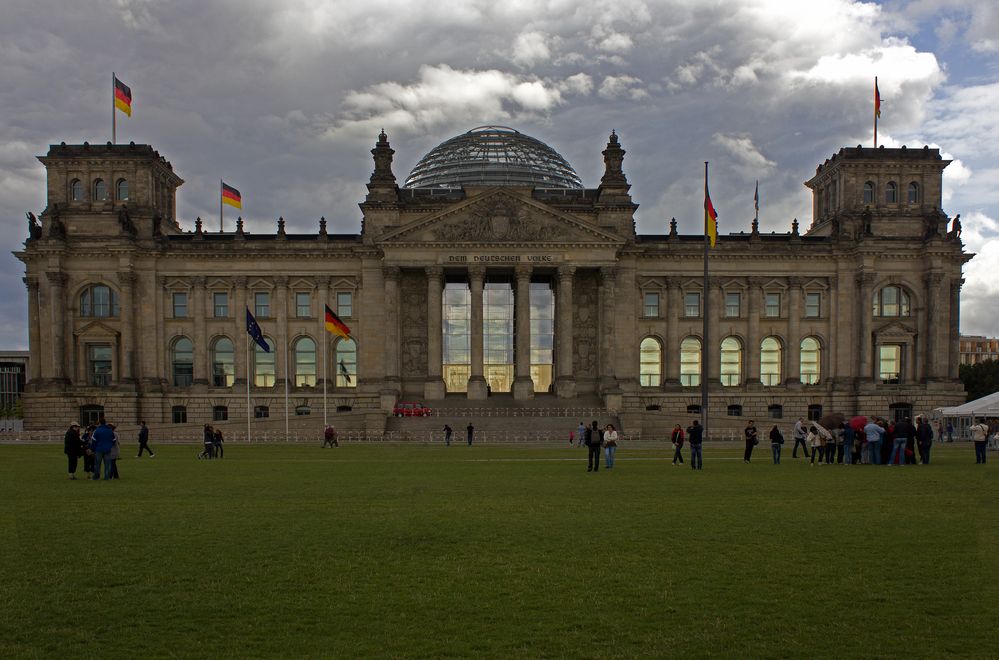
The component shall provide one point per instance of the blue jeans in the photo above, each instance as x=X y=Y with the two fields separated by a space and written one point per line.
x=609 y=454
x=102 y=457
x=696 y=459
x=776 y=449
x=980 y=451
x=898 y=451
x=875 y=449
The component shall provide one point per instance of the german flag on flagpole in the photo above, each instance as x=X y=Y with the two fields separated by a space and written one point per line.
x=231 y=196
x=335 y=325
x=122 y=96
x=877 y=98
x=710 y=216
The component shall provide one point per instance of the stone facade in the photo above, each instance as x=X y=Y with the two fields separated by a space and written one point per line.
x=130 y=314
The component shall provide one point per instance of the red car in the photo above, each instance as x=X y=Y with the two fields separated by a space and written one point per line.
x=410 y=409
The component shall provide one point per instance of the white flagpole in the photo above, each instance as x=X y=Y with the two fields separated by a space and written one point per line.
x=286 y=434
x=247 y=387
x=325 y=342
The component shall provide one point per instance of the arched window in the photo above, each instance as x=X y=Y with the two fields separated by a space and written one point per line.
x=261 y=412
x=99 y=301
x=650 y=368
x=305 y=362
x=891 y=193
x=690 y=362
x=302 y=411
x=913 y=196
x=90 y=414
x=770 y=361
x=223 y=363
x=121 y=190
x=730 y=362
x=868 y=193
x=182 y=361
x=346 y=363
x=892 y=301
x=263 y=365
x=775 y=411
x=76 y=190
x=178 y=414
x=220 y=413
x=811 y=361
x=814 y=412
x=735 y=410
x=100 y=190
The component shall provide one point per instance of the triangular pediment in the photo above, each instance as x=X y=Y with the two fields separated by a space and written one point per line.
x=96 y=329
x=895 y=330
x=499 y=216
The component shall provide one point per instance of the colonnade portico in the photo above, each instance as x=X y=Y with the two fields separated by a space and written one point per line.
x=521 y=277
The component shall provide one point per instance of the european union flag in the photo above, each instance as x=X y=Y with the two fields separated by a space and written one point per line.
x=253 y=330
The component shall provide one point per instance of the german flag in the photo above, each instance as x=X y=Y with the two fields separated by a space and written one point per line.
x=231 y=196
x=335 y=325
x=877 y=98
x=710 y=217
x=122 y=97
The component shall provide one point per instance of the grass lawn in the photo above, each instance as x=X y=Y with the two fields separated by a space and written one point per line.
x=496 y=551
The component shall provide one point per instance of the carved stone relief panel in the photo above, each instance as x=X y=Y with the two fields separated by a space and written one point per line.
x=499 y=220
x=585 y=323
x=413 y=314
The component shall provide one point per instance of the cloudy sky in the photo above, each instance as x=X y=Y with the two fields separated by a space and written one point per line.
x=285 y=99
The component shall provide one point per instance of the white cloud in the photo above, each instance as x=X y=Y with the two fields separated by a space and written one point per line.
x=530 y=48
x=981 y=288
x=623 y=86
x=748 y=158
x=579 y=83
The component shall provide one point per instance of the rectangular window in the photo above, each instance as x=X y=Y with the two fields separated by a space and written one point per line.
x=813 y=305
x=220 y=305
x=180 y=305
x=733 y=305
x=772 y=308
x=890 y=364
x=651 y=306
x=691 y=305
x=303 y=305
x=344 y=304
x=99 y=364
x=262 y=305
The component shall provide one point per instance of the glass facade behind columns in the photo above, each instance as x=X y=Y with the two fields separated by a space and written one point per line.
x=542 y=335
x=497 y=335
x=457 y=332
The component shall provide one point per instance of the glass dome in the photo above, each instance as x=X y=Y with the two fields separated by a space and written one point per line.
x=493 y=156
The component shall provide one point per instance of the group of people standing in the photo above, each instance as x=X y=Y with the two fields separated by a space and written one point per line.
x=98 y=445
x=594 y=439
x=212 y=443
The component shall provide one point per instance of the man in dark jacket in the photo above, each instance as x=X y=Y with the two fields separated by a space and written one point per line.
x=72 y=447
x=695 y=434
x=924 y=436
x=904 y=433
x=144 y=440
x=103 y=444
x=594 y=440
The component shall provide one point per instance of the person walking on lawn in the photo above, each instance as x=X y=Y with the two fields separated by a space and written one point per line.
x=695 y=435
x=594 y=440
x=677 y=439
x=144 y=440
x=799 y=438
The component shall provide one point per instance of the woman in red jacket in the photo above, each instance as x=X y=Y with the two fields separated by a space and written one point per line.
x=677 y=438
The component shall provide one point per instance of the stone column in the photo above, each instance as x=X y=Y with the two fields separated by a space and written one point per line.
x=832 y=322
x=126 y=308
x=280 y=313
x=239 y=336
x=57 y=284
x=865 y=371
x=794 y=331
x=674 y=307
x=565 y=383
x=159 y=360
x=932 y=368
x=753 y=330
x=523 y=384
x=434 y=387
x=608 y=303
x=34 y=328
x=954 y=335
x=711 y=350
x=476 y=381
x=391 y=278
x=200 y=335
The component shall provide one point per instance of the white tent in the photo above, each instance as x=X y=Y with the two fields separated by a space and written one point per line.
x=987 y=406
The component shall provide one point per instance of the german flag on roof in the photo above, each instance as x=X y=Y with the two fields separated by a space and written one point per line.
x=231 y=196
x=122 y=97
x=335 y=325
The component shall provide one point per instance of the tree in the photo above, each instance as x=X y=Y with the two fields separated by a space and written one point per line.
x=980 y=379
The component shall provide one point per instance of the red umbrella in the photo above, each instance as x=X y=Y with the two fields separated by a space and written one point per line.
x=858 y=423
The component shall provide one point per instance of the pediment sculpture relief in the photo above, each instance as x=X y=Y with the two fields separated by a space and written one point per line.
x=500 y=221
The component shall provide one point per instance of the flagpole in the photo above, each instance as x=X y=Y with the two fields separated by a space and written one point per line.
x=247 y=386
x=325 y=342
x=221 y=225
x=114 y=117
x=876 y=112
x=286 y=434
x=705 y=348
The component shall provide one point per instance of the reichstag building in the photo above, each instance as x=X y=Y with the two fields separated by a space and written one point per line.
x=491 y=272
